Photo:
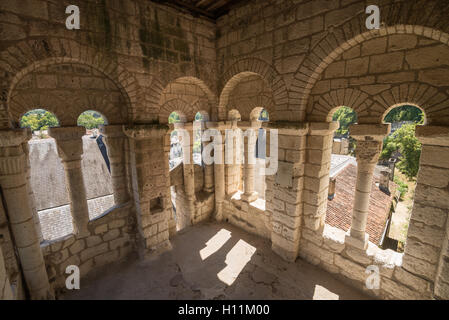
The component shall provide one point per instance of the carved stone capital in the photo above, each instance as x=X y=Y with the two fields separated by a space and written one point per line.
x=112 y=131
x=145 y=131
x=288 y=128
x=368 y=152
x=362 y=132
x=323 y=128
x=14 y=137
x=69 y=141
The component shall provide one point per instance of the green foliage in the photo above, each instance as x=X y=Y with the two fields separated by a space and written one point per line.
x=38 y=119
x=346 y=116
x=90 y=119
x=405 y=113
x=408 y=145
x=173 y=117
x=402 y=187
x=264 y=115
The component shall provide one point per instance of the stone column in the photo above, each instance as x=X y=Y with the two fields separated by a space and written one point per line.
x=368 y=148
x=219 y=168
x=115 y=143
x=208 y=168
x=69 y=141
x=426 y=252
x=284 y=189
x=37 y=222
x=316 y=177
x=151 y=186
x=249 y=149
x=186 y=210
x=13 y=182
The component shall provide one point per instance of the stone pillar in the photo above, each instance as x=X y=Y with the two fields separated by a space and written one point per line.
x=151 y=186
x=13 y=182
x=426 y=252
x=249 y=149
x=219 y=168
x=186 y=210
x=69 y=141
x=115 y=143
x=208 y=168
x=316 y=176
x=368 y=148
x=284 y=189
x=37 y=222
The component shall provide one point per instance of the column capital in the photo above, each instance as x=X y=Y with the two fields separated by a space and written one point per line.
x=112 y=131
x=369 y=132
x=14 y=137
x=67 y=133
x=323 y=128
x=433 y=135
x=288 y=128
x=145 y=131
x=368 y=152
x=69 y=141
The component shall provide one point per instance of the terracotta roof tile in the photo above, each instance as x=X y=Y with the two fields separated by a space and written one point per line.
x=339 y=210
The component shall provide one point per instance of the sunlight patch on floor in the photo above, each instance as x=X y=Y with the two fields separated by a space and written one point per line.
x=215 y=243
x=236 y=260
x=321 y=293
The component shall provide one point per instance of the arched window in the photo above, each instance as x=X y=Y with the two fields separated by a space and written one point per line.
x=39 y=120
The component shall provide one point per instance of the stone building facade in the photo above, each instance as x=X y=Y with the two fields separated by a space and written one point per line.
x=136 y=61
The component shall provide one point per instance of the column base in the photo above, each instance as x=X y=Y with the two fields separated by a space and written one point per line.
x=249 y=197
x=361 y=244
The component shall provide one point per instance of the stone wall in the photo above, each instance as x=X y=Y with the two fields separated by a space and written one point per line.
x=111 y=238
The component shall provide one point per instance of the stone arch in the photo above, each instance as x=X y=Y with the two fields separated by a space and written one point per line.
x=252 y=66
x=325 y=105
x=197 y=102
x=28 y=55
x=183 y=108
x=67 y=90
x=347 y=35
x=433 y=103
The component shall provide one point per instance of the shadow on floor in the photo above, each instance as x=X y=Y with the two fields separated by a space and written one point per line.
x=213 y=261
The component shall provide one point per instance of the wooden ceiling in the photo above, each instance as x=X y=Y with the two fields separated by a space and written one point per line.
x=209 y=8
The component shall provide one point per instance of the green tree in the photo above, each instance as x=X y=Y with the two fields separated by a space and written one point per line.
x=404 y=141
x=346 y=116
x=405 y=113
x=38 y=119
x=90 y=119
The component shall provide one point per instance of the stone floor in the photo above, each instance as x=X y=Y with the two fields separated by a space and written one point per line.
x=213 y=261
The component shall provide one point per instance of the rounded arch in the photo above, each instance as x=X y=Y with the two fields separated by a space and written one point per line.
x=325 y=105
x=192 y=92
x=255 y=114
x=201 y=116
x=345 y=36
x=250 y=67
x=25 y=56
x=181 y=107
x=234 y=115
